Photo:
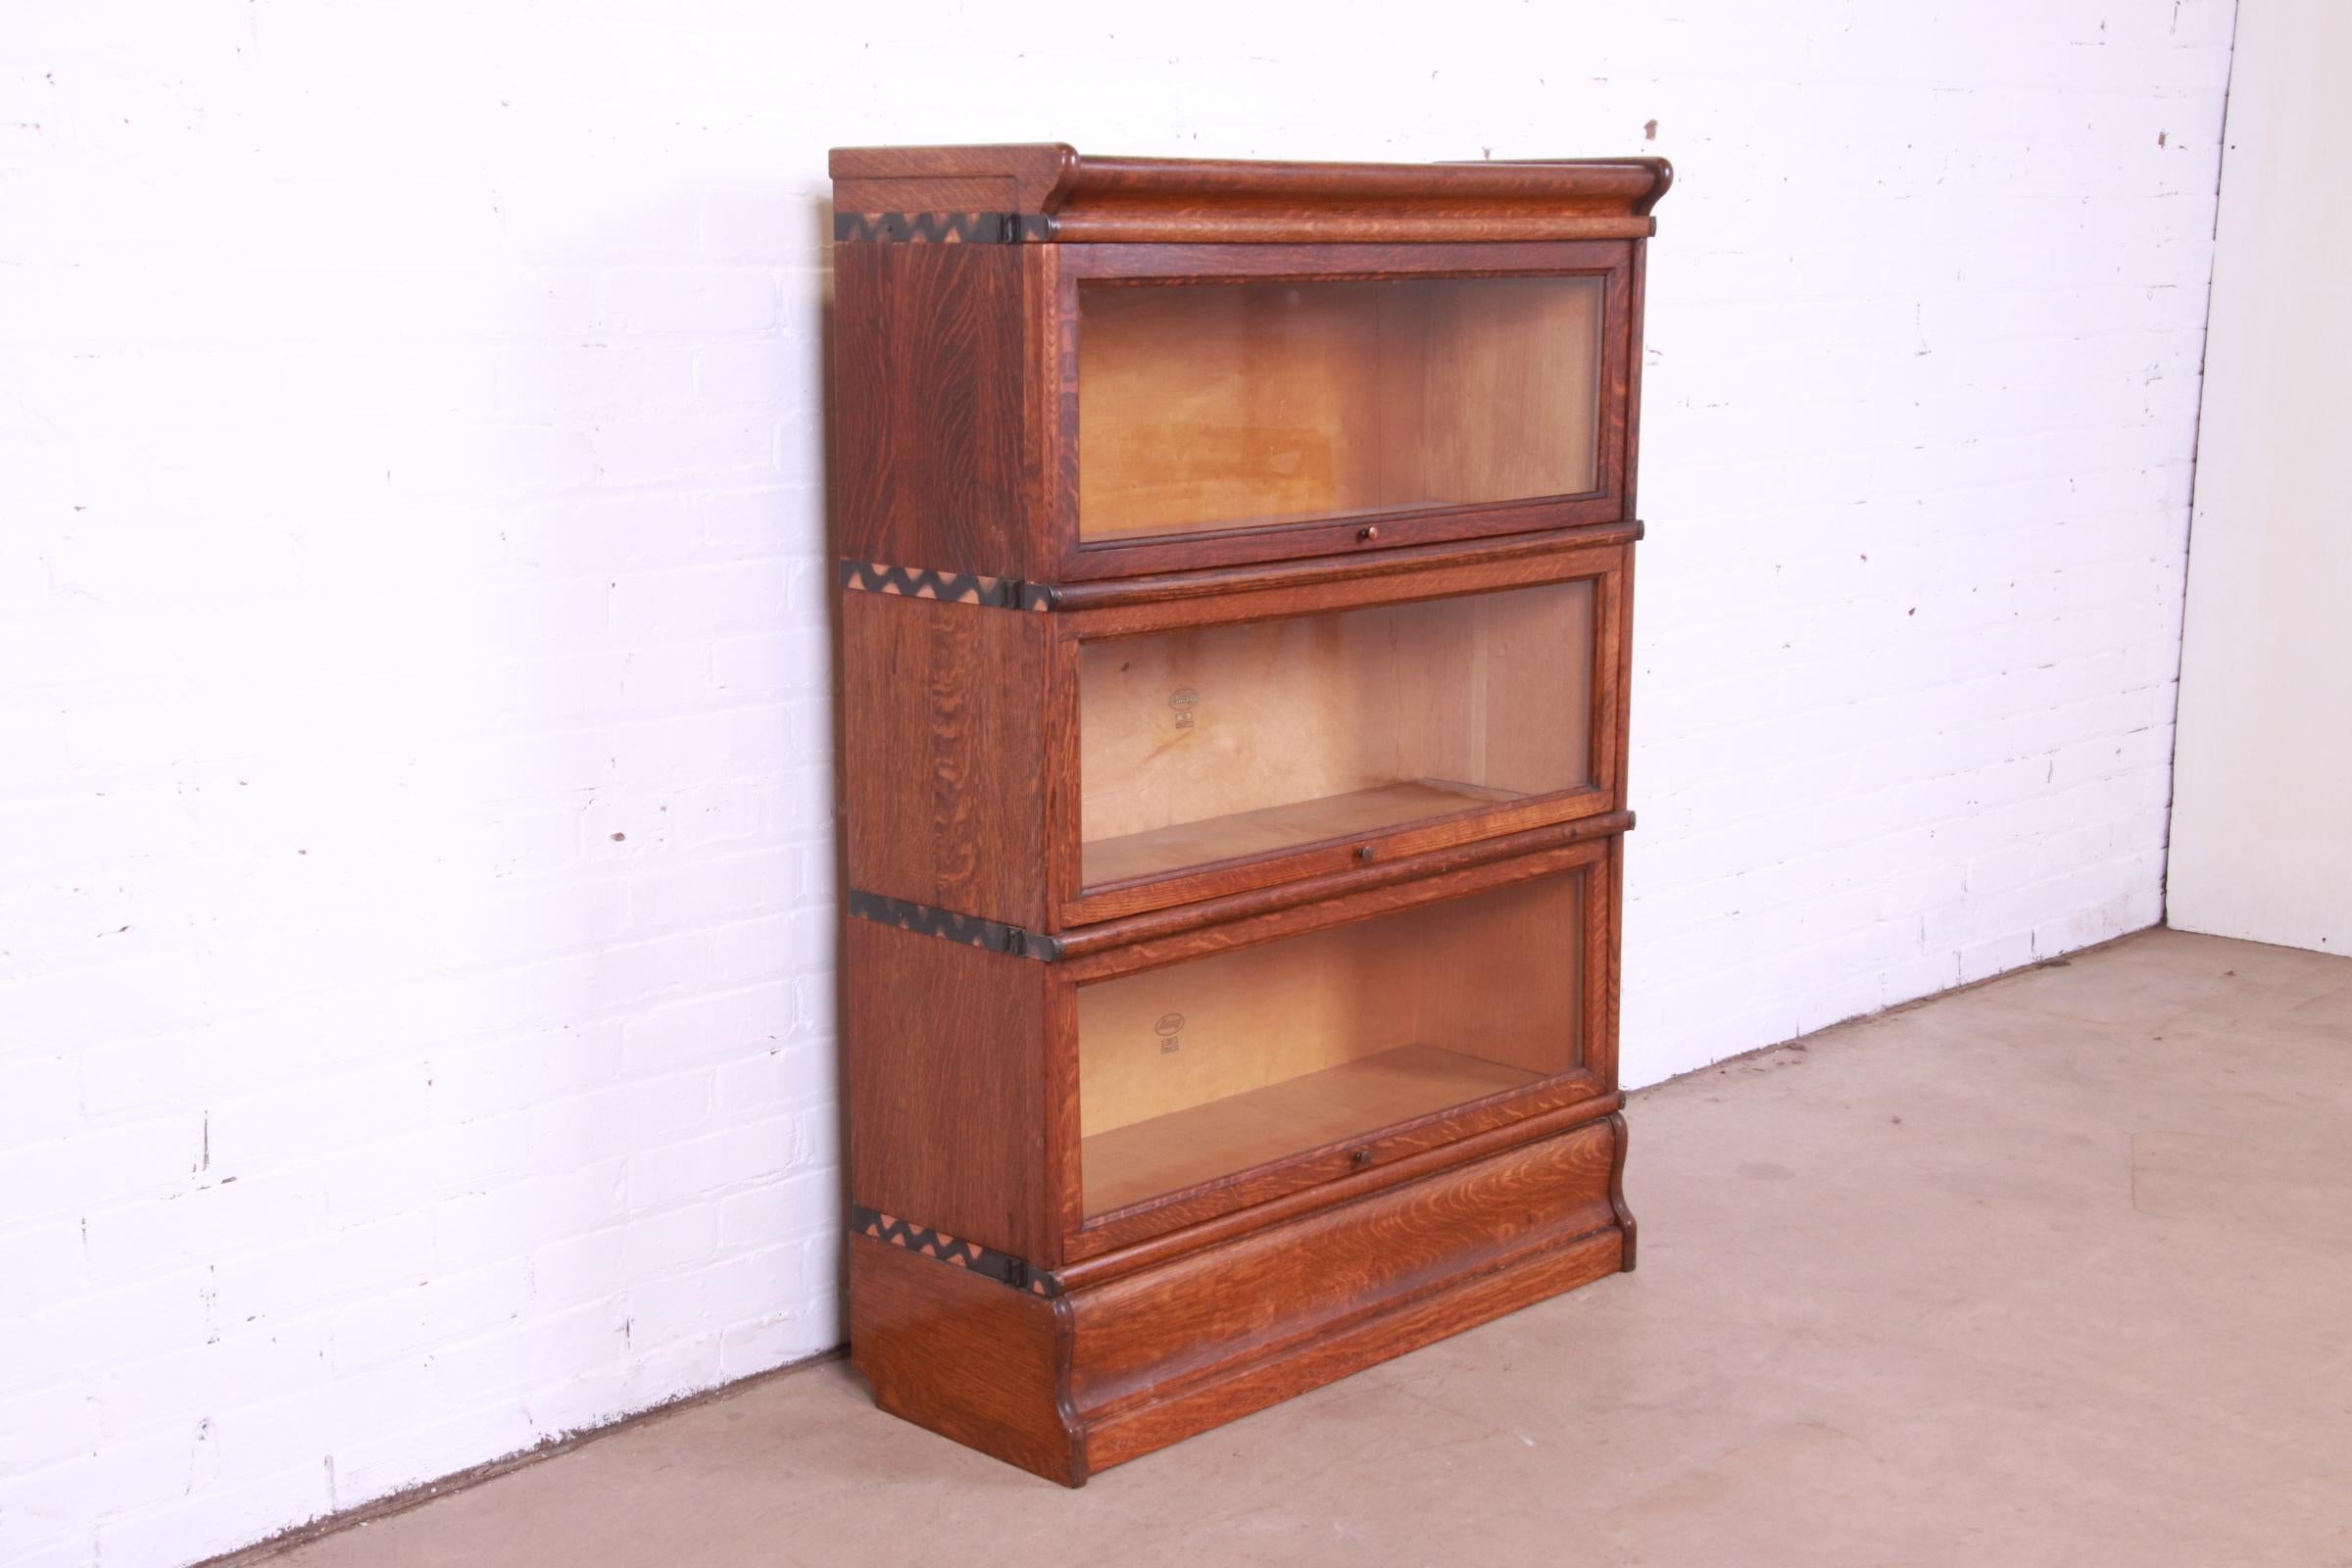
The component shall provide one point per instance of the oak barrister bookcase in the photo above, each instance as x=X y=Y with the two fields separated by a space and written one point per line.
x=1236 y=569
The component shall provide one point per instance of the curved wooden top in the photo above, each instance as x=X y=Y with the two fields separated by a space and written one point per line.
x=1101 y=198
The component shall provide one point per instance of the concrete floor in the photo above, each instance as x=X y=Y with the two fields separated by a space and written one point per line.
x=2054 y=1271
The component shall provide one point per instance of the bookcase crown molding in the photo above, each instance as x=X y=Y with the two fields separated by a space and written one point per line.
x=1050 y=191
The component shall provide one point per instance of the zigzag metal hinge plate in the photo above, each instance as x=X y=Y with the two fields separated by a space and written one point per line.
x=943 y=228
x=969 y=929
x=924 y=1242
x=953 y=587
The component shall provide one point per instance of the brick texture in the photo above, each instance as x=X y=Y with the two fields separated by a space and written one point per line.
x=415 y=997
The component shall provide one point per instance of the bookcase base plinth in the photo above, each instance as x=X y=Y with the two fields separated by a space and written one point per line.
x=1066 y=1385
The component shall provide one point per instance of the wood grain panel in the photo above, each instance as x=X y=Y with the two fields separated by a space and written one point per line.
x=943 y=193
x=1139 y=1429
x=1512 y=372
x=1028 y=174
x=942 y=725
x=965 y=1357
x=928 y=443
x=1146 y=1334
x=946 y=1079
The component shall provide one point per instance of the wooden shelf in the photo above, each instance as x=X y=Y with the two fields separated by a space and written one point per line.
x=1274 y=828
x=1145 y=1158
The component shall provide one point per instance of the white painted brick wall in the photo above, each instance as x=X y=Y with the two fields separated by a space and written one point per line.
x=415 y=1024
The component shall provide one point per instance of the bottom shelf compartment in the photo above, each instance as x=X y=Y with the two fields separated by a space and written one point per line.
x=1202 y=1142
x=1199 y=1069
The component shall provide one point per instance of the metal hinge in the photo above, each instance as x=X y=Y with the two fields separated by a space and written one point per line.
x=969 y=929
x=971 y=228
x=924 y=1242
x=953 y=587
x=1014 y=594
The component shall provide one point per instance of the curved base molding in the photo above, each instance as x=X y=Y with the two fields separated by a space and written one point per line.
x=1071 y=1384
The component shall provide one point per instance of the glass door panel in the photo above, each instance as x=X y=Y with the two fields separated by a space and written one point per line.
x=1218 y=743
x=1201 y=1069
x=1208 y=406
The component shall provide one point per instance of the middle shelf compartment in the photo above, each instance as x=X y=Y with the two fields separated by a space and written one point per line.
x=1210 y=734
x=1203 y=744
x=1234 y=739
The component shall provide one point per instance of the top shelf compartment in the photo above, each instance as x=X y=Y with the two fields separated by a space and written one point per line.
x=1232 y=405
x=1052 y=370
x=1242 y=405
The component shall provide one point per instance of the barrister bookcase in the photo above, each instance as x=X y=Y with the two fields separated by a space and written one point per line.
x=1236 y=565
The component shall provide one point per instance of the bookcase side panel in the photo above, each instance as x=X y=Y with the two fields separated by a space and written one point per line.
x=929 y=358
x=946 y=1088
x=944 y=728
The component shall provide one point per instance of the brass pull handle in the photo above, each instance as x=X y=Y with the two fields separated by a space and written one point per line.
x=1369 y=532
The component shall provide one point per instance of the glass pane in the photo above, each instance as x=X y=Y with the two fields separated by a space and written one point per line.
x=1223 y=404
x=1201 y=1069
x=1221 y=742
